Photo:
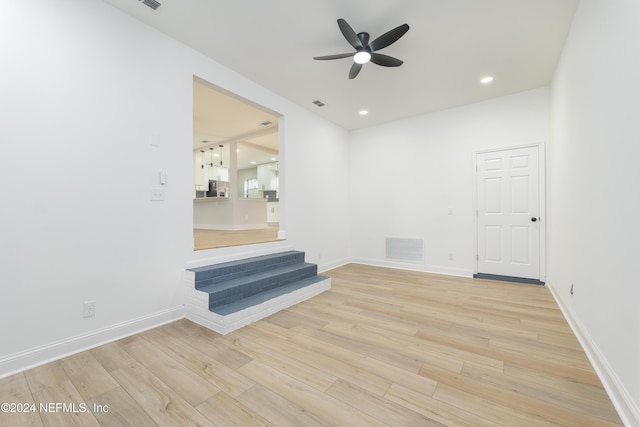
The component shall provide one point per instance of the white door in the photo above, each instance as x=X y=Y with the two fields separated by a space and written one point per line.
x=508 y=215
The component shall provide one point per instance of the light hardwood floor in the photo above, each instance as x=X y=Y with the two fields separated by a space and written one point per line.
x=209 y=239
x=381 y=348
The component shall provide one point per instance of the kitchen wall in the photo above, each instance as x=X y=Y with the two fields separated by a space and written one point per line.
x=268 y=176
x=407 y=176
x=593 y=199
x=93 y=105
x=243 y=175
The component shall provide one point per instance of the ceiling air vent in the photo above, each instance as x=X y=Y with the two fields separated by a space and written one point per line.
x=153 y=4
x=266 y=123
x=318 y=103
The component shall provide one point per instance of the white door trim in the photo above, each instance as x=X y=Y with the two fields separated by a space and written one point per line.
x=543 y=206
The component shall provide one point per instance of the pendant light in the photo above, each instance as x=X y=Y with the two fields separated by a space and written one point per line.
x=221 y=147
x=202 y=159
x=211 y=149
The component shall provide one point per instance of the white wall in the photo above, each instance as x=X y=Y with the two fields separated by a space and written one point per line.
x=83 y=89
x=267 y=176
x=593 y=199
x=317 y=180
x=243 y=175
x=405 y=176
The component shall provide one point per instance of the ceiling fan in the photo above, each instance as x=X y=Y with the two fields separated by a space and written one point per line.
x=366 y=51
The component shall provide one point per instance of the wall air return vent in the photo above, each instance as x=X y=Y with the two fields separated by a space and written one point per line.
x=408 y=250
x=153 y=4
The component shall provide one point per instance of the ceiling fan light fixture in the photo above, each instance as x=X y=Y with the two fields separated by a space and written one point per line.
x=362 y=57
x=367 y=51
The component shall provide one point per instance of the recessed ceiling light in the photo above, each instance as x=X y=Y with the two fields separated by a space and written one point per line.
x=273 y=158
x=363 y=112
x=253 y=163
x=486 y=80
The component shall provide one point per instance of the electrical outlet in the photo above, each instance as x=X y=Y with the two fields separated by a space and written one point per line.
x=157 y=194
x=89 y=309
x=571 y=289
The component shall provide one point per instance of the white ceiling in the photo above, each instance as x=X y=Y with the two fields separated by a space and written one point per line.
x=451 y=44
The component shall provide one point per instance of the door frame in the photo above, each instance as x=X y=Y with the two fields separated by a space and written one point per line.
x=542 y=202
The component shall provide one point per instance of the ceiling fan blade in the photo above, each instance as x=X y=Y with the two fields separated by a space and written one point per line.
x=355 y=69
x=385 y=60
x=338 y=56
x=349 y=34
x=389 y=37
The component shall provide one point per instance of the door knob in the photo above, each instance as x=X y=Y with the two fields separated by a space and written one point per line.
x=534 y=219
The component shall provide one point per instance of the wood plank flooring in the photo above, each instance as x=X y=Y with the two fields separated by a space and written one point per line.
x=382 y=348
x=209 y=239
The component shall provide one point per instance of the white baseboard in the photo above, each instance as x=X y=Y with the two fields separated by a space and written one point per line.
x=322 y=267
x=627 y=409
x=228 y=227
x=424 y=268
x=198 y=311
x=31 y=358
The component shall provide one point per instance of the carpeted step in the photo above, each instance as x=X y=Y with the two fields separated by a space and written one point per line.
x=240 y=287
x=266 y=295
x=208 y=275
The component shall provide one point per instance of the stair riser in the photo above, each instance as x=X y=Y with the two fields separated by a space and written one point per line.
x=226 y=296
x=226 y=273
